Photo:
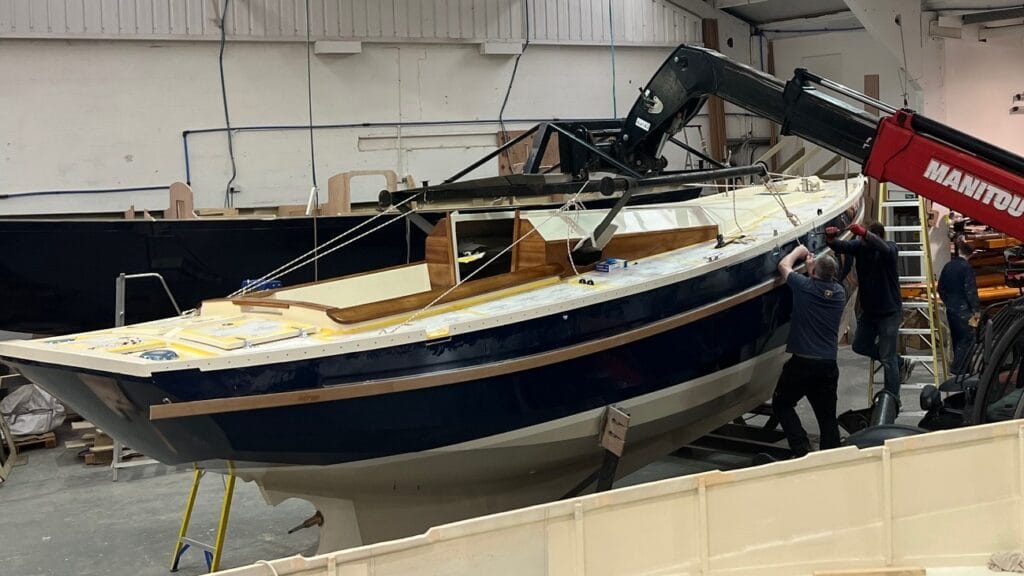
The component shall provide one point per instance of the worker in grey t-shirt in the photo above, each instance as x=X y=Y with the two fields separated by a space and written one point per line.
x=812 y=371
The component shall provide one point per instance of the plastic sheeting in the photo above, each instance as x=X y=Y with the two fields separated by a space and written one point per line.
x=31 y=410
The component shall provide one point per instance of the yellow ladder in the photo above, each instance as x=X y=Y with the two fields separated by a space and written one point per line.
x=934 y=361
x=212 y=552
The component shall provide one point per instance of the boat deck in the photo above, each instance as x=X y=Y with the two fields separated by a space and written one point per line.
x=751 y=220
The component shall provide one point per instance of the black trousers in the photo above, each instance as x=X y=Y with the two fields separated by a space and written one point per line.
x=962 y=336
x=818 y=381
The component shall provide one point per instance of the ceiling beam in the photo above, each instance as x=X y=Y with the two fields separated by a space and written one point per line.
x=993 y=15
x=986 y=34
x=823 y=15
x=720 y=4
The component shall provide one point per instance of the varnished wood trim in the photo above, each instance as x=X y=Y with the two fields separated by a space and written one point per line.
x=421 y=381
x=261 y=302
x=276 y=303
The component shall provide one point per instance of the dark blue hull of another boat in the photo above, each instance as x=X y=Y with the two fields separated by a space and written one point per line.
x=57 y=276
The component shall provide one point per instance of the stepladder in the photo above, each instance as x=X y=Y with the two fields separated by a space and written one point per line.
x=211 y=552
x=922 y=330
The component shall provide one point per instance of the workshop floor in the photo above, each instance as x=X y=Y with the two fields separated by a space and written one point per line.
x=60 y=517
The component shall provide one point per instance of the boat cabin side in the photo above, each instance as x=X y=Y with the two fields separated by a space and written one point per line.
x=471 y=258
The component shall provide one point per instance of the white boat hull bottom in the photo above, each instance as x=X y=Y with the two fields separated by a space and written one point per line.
x=387 y=498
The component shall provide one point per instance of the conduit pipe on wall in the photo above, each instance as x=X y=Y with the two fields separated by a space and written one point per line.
x=186 y=133
x=424 y=123
x=13 y=195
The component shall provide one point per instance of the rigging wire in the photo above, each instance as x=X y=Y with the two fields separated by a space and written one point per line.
x=769 y=185
x=508 y=89
x=303 y=259
x=906 y=73
x=228 y=200
x=315 y=192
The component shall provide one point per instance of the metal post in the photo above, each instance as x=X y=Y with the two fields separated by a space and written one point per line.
x=119 y=299
x=119 y=319
x=120 y=286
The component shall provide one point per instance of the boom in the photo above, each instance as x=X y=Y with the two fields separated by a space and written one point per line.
x=924 y=156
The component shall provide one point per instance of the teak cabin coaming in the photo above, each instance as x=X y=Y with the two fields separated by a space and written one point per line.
x=540 y=257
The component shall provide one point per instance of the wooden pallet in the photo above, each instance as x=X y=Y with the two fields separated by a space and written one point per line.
x=48 y=440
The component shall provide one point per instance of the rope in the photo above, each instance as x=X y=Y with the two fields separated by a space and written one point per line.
x=906 y=73
x=273 y=570
x=769 y=185
x=735 y=216
x=228 y=200
x=298 y=261
x=431 y=304
x=575 y=225
x=315 y=192
x=508 y=89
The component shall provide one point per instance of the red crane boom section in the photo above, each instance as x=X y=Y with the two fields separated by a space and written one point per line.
x=944 y=174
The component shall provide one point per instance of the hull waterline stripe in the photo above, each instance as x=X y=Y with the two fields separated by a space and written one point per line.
x=346 y=391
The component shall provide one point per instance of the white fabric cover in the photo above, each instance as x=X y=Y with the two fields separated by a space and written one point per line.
x=31 y=410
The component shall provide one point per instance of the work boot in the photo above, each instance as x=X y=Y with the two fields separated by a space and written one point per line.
x=907 y=366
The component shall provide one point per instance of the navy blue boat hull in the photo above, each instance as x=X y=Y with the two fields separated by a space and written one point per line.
x=382 y=425
x=746 y=322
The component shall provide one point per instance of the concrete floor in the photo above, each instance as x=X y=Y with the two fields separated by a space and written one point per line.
x=60 y=517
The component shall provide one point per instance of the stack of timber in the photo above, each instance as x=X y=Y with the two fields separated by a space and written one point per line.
x=96 y=447
x=990 y=265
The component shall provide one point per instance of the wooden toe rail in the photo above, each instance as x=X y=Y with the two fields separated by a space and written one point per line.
x=259 y=302
x=375 y=310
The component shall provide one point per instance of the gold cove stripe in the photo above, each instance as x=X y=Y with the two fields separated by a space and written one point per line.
x=418 y=382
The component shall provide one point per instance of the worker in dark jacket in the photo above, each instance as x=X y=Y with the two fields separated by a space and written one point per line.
x=959 y=291
x=811 y=371
x=878 y=281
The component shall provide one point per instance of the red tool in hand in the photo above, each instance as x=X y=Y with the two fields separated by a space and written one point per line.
x=830 y=233
x=857 y=230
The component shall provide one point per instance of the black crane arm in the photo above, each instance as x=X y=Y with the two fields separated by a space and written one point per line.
x=678 y=90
